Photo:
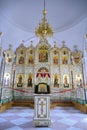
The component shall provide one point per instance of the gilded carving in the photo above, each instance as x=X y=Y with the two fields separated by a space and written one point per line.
x=77 y=56
x=46 y=64
x=20 y=80
x=56 y=81
x=29 y=81
x=55 y=60
x=43 y=54
x=30 y=60
x=21 y=60
x=66 y=81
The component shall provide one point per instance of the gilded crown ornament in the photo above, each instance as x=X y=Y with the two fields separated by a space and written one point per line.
x=44 y=30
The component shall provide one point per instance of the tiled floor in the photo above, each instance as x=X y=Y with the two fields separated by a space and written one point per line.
x=62 y=118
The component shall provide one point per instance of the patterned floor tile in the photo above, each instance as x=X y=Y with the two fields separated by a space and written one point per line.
x=27 y=125
x=62 y=118
x=74 y=128
x=20 y=121
x=68 y=121
x=14 y=128
x=84 y=120
x=25 y=114
x=81 y=125
x=2 y=120
x=6 y=114
x=6 y=125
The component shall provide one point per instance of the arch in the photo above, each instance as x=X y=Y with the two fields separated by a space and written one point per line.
x=43 y=72
x=43 y=69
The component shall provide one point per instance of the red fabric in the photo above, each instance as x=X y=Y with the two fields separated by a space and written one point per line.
x=37 y=75
x=43 y=75
x=27 y=91
x=49 y=75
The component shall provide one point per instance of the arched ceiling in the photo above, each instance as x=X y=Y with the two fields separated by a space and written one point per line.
x=61 y=14
x=19 y=18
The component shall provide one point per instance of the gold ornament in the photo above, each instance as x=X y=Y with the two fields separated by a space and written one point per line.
x=44 y=30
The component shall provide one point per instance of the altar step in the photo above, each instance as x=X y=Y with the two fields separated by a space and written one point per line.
x=4 y=107
x=61 y=103
x=30 y=103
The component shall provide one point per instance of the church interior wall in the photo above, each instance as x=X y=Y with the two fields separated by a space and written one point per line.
x=42 y=68
x=59 y=68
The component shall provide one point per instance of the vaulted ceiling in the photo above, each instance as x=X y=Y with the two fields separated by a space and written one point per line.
x=19 y=18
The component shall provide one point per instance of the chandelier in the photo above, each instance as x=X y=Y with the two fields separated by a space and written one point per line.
x=44 y=30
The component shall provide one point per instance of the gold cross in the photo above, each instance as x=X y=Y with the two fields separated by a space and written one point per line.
x=42 y=104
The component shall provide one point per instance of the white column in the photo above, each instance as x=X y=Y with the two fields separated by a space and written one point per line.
x=0 y=46
x=0 y=54
x=85 y=60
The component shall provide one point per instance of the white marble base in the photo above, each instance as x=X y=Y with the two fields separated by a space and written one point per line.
x=44 y=122
x=42 y=110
